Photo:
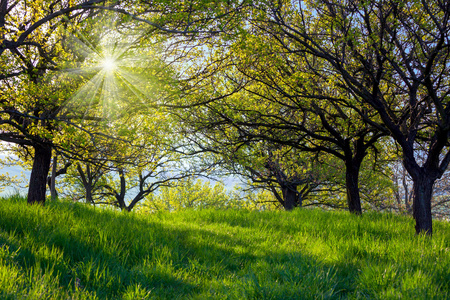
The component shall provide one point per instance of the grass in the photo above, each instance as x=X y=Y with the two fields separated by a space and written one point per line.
x=71 y=251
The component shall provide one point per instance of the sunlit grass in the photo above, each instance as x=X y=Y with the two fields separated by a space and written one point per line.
x=67 y=250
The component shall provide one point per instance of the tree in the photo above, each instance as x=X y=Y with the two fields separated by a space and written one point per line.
x=188 y=194
x=32 y=47
x=393 y=57
x=138 y=180
x=291 y=175
x=262 y=92
x=283 y=171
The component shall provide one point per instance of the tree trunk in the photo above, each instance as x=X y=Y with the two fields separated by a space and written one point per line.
x=121 y=196
x=423 y=192
x=39 y=173
x=352 y=186
x=89 y=198
x=290 y=197
x=53 y=178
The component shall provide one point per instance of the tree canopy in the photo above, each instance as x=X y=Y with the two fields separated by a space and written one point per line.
x=299 y=97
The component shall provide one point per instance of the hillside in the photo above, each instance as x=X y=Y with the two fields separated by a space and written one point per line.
x=66 y=250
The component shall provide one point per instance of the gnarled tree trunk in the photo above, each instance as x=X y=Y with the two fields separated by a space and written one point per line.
x=352 y=186
x=422 y=194
x=39 y=173
x=290 y=197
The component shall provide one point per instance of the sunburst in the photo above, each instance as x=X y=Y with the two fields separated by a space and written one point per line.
x=108 y=64
x=115 y=71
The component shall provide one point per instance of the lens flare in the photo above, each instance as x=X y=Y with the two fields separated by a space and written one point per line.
x=116 y=73
x=108 y=64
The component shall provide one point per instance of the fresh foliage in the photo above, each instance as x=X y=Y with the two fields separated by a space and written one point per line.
x=336 y=77
x=190 y=194
x=66 y=250
x=303 y=98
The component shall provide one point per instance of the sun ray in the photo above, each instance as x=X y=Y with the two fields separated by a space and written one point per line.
x=115 y=72
x=141 y=95
x=84 y=97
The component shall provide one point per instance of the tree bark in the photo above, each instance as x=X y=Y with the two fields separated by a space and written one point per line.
x=89 y=198
x=289 y=197
x=86 y=180
x=423 y=192
x=352 y=186
x=53 y=178
x=39 y=173
x=407 y=195
x=121 y=196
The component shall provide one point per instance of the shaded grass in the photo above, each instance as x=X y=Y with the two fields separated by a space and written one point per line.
x=71 y=251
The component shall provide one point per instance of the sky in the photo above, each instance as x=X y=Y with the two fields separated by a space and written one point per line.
x=23 y=174
x=13 y=171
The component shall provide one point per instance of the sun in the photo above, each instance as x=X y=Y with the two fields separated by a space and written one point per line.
x=113 y=66
x=108 y=64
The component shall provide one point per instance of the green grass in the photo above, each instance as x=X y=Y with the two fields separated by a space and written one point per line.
x=70 y=251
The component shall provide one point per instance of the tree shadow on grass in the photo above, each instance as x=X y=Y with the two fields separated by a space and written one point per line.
x=174 y=262
x=269 y=274
x=80 y=262
x=167 y=262
x=359 y=270
x=113 y=253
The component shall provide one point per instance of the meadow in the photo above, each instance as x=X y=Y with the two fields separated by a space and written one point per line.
x=72 y=251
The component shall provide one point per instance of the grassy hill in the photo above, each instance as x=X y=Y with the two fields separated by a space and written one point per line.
x=70 y=251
